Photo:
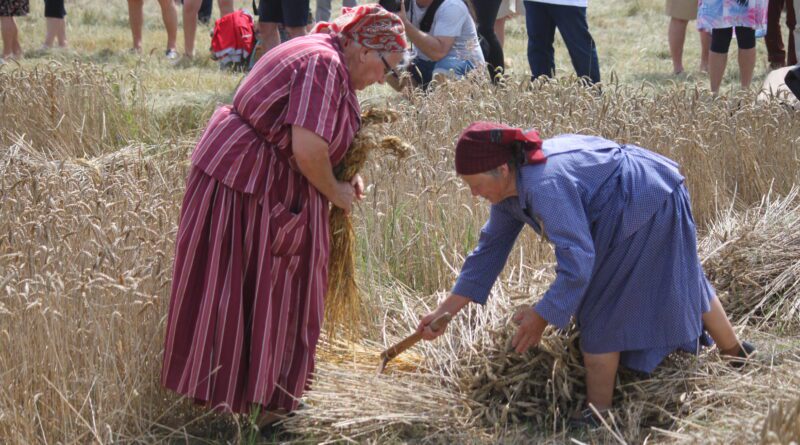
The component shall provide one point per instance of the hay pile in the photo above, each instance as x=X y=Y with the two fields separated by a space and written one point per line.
x=754 y=257
x=352 y=403
x=342 y=302
x=542 y=385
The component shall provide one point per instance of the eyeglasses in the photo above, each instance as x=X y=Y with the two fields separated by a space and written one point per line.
x=388 y=68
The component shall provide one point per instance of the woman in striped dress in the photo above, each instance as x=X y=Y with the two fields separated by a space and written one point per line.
x=620 y=222
x=251 y=253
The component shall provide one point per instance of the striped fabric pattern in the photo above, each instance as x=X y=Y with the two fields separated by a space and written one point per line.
x=251 y=254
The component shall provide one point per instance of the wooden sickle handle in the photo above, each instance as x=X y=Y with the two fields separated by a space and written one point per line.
x=436 y=325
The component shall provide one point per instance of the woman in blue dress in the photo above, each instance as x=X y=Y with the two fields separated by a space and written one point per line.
x=620 y=221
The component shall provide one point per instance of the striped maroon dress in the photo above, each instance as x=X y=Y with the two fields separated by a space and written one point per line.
x=251 y=253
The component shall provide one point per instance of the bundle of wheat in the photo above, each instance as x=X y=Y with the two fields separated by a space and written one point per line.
x=538 y=386
x=342 y=302
x=754 y=256
x=546 y=385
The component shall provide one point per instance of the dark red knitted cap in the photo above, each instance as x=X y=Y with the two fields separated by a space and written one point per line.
x=484 y=146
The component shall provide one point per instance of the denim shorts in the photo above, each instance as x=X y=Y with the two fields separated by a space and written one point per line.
x=423 y=70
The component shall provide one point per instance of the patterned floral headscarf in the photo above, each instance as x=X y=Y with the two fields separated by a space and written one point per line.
x=371 y=26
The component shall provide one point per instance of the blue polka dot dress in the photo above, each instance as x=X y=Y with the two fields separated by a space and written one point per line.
x=620 y=222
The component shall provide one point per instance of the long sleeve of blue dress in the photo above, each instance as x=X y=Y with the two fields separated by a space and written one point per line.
x=484 y=264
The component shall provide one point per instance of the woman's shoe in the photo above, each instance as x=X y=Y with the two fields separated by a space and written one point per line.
x=746 y=352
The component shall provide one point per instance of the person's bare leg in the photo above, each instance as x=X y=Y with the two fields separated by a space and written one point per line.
x=8 y=29
x=295 y=31
x=16 y=46
x=601 y=376
x=225 y=7
x=55 y=31
x=61 y=32
x=190 y=9
x=747 y=63
x=269 y=36
x=716 y=68
x=136 y=20
x=500 y=30
x=705 y=48
x=169 y=14
x=676 y=34
x=49 y=32
x=716 y=323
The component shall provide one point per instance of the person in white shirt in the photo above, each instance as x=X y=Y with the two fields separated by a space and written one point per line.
x=542 y=17
x=444 y=36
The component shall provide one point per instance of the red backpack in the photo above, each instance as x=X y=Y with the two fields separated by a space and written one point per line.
x=233 y=39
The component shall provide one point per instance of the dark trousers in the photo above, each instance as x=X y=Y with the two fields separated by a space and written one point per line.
x=486 y=11
x=54 y=9
x=204 y=14
x=774 y=40
x=541 y=20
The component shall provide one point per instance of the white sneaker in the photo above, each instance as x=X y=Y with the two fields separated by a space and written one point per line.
x=171 y=54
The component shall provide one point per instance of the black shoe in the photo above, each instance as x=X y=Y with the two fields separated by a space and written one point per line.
x=746 y=352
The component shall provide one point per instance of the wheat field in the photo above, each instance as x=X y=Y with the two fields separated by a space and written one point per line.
x=94 y=146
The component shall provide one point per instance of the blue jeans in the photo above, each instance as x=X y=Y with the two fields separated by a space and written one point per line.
x=541 y=20
x=423 y=70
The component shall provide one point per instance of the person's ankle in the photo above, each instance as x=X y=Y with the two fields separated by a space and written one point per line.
x=732 y=351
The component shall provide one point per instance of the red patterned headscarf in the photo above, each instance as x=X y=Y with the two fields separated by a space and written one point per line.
x=484 y=146
x=371 y=26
